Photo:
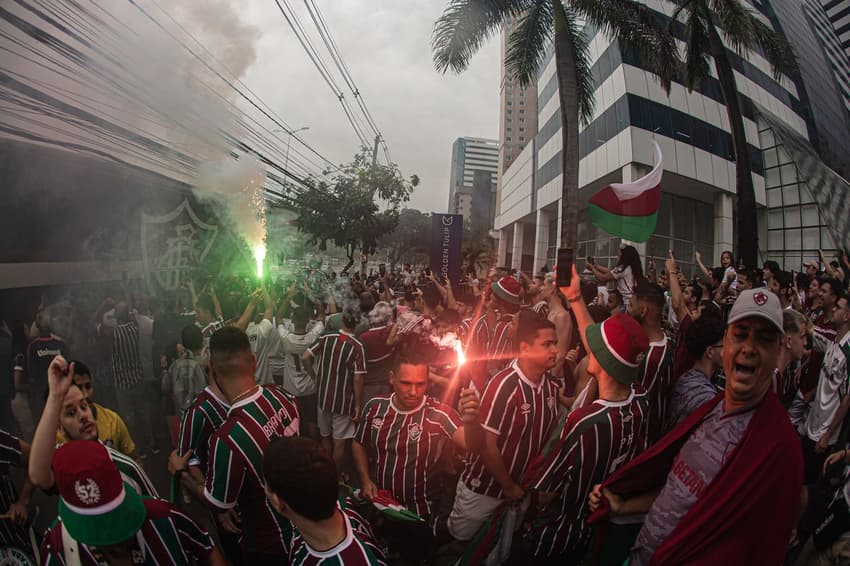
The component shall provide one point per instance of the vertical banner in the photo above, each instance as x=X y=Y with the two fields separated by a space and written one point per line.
x=446 y=236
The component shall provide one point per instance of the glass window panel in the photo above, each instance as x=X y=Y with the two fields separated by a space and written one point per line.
x=774 y=240
x=771 y=178
x=789 y=173
x=614 y=247
x=660 y=246
x=681 y=126
x=683 y=219
x=783 y=155
x=664 y=212
x=766 y=138
x=661 y=119
x=805 y=195
x=790 y=194
x=582 y=250
x=793 y=261
x=704 y=223
x=682 y=249
x=774 y=198
x=810 y=215
x=793 y=239
x=770 y=157
x=810 y=238
x=826 y=242
x=792 y=217
x=601 y=248
x=774 y=219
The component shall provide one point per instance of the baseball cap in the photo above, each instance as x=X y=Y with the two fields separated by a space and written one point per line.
x=95 y=504
x=619 y=344
x=760 y=303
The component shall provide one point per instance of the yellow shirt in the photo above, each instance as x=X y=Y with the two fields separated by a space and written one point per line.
x=111 y=430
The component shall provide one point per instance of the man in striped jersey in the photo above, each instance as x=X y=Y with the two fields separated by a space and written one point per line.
x=342 y=366
x=67 y=408
x=491 y=347
x=256 y=415
x=378 y=352
x=204 y=416
x=538 y=302
x=399 y=442
x=518 y=410
x=656 y=371
x=102 y=521
x=301 y=484
x=594 y=441
x=13 y=507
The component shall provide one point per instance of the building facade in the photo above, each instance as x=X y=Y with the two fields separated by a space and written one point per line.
x=838 y=13
x=472 y=183
x=697 y=212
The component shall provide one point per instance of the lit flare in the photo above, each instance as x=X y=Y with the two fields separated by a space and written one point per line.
x=461 y=356
x=260 y=256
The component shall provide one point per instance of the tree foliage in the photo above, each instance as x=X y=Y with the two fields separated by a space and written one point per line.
x=354 y=207
x=410 y=240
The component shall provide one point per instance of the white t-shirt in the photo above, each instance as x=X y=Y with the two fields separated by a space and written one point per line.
x=292 y=345
x=832 y=386
x=625 y=282
x=264 y=341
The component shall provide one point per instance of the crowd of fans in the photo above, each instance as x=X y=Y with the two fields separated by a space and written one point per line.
x=635 y=416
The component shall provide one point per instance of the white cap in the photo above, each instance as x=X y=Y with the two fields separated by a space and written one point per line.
x=757 y=302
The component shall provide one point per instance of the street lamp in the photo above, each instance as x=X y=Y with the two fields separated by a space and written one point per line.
x=289 y=133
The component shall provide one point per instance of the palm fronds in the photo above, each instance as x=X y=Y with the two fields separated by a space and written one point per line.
x=528 y=43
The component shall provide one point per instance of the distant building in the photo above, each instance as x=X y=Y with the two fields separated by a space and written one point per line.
x=517 y=111
x=472 y=185
x=838 y=13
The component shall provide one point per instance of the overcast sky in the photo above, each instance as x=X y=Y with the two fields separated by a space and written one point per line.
x=387 y=47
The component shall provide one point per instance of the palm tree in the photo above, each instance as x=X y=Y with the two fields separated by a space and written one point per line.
x=707 y=24
x=466 y=24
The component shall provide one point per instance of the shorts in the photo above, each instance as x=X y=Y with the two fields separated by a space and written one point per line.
x=336 y=425
x=308 y=405
x=471 y=510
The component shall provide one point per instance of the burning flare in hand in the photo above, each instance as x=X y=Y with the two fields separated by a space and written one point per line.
x=461 y=356
x=260 y=256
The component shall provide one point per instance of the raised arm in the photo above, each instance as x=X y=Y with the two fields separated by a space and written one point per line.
x=243 y=321
x=705 y=271
x=59 y=376
x=676 y=298
x=573 y=295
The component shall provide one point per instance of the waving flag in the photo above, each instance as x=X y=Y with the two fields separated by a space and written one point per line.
x=630 y=210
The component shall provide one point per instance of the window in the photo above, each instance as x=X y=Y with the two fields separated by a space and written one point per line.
x=522 y=138
x=522 y=120
x=521 y=129
x=507 y=139
x=509 y=129
x=522 y=110
x=522 y=102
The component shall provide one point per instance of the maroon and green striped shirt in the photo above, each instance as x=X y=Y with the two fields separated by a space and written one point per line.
x=404 y=446
x=203 y=417
x=340 y=356
x=356 y=549
x=167 y=537
x=522 y=415
x=594 y=442
x=10 y=455
x=656 y=377
x=236 y=463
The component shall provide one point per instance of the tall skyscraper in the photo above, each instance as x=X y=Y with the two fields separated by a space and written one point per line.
x=838 y=13
x=517 y=112
x=475 y=165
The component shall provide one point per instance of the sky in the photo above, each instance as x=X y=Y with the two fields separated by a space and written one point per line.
x=386 y=45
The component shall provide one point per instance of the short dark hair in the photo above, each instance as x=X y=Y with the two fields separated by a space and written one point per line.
x=367 y=301
x=786 y=281
x=300 y=316
x=191 y=337
x=431 y=297
x=718 y=273
x=449 y=317
x=529 y=323
x=704 y=332
x=598 y=313
x=772 y=266
x=696 y=290
x=650 y=293
x=80 y=368
x=229 y=340
x=303 y=475
x=834 y=285
x=350 y=318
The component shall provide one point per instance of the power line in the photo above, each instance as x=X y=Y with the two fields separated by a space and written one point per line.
x=296 y=27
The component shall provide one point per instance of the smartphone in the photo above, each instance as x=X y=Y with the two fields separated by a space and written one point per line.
x=589 y=260
x=427 y=271
x=382 y=269
x=564 y=269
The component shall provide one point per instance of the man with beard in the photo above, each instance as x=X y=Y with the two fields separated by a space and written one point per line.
x=67 y=409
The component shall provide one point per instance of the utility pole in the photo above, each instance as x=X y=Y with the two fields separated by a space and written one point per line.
x=375 y=151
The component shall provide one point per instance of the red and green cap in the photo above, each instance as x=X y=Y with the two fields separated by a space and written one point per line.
x=619 y=344
x=507 y=289
x=96 y=507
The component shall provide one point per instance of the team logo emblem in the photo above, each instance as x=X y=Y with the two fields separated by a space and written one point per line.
x=377 y=422
x=474 y=482
x=759 y=298
x=14 y=556
x=525 y=408
x=550 y=402
x=639 y=358
x=414 y=431
x=88 y=492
